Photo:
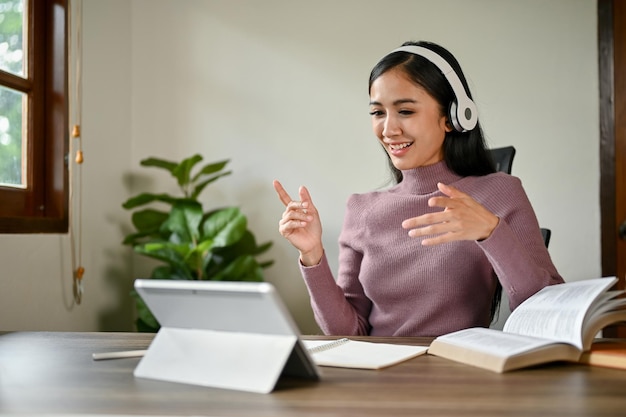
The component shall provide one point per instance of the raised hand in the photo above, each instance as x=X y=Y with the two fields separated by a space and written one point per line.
x=301 y=225
x=462 y=218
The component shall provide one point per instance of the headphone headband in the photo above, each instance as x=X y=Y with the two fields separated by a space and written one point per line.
x=463 y=111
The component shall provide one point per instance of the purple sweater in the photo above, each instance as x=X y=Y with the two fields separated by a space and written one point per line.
x=388 y=284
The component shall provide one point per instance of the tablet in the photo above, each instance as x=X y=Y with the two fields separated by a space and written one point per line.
x=226 y=306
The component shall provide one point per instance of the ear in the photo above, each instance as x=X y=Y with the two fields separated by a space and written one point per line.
x=445 y=124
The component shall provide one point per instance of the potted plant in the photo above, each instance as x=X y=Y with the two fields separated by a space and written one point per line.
x=191 y=243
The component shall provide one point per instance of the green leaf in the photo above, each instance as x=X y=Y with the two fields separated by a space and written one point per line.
x=182 y=172
x=243 y=268
x=195 y=263
x=266 y=264
x=222 y=256
x=148 y=220
x=134 y=238
x=199 y=187
x=146 y=322
x=159 y=163
x=184 y=221
x=145 y=198
x=162 y=272
x=144 y=328
x=168 y=252
x=225 y=227
x=211 y=168
x=263 y=248
x=205 y=246
x=245 y=245
x=171 y=273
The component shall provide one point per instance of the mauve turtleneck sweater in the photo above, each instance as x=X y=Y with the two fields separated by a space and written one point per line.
x=388 y=284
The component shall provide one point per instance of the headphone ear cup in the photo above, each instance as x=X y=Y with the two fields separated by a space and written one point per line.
x=452 y=116
x=465 y=117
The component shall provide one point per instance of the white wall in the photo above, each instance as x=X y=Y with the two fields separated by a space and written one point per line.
x=280 y=88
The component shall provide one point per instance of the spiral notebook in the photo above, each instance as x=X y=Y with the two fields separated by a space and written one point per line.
x=348 y=353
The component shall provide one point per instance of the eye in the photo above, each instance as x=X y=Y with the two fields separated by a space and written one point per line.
x=406 y=112
x=376 y=113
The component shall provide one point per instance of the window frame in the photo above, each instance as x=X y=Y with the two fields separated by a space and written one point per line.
x=43 y=206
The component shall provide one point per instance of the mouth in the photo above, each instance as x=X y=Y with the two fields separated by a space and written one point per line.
x=399 y=149
x=399 y=146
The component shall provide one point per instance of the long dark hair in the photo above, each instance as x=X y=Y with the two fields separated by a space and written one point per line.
x=465 y=153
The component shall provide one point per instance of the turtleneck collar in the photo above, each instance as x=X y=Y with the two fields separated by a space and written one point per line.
x=423 y=180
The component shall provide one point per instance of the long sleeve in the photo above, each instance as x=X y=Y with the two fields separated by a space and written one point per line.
x=516 y=249
x=389 y=284
x=333 y=312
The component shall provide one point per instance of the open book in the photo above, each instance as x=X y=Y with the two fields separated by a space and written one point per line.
x=558 y=323
x=347 y=353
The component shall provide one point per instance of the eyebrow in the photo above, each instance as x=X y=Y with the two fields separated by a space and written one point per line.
x=395 y=103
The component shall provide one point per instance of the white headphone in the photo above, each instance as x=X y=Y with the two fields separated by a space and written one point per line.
x=463 y=112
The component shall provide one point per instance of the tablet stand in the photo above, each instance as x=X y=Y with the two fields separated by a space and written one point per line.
x=241 y=361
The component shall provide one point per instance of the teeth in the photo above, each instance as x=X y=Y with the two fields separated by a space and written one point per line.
x=401 y=146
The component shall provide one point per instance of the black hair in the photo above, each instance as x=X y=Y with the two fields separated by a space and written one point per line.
x=465 y=153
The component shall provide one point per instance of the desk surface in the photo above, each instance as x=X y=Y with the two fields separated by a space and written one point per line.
x=53 y=373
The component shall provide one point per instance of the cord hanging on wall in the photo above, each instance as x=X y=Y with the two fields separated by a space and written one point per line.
x=75 y=167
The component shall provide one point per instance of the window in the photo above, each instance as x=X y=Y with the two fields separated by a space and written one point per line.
x=34 y=180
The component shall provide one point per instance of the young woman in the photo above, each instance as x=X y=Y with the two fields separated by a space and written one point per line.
x=427 y=256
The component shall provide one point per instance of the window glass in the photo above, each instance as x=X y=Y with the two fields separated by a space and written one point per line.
x=12 y=54
x=12 y=139
x=34 y=131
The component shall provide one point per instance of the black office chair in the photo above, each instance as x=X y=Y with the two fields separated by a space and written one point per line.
x=503 y=159
x=546 y=233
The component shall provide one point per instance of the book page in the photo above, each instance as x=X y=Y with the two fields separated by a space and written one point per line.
x=607 y=302
x=557 y=312
x=494 y=342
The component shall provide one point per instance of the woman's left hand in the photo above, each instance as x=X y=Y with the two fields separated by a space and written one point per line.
x=463 y=218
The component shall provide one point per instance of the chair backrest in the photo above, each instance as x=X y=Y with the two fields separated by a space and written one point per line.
x=546 y=233
x=503 y=158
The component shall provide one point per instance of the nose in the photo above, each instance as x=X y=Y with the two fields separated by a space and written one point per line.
x=391 y=126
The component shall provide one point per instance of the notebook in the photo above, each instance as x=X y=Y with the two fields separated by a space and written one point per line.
x=244 y=324
x=348 y=353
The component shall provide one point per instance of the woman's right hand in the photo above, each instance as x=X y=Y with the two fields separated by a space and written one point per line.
x=301 y=225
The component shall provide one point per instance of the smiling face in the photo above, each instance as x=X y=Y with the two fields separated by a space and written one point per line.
x=408 y=121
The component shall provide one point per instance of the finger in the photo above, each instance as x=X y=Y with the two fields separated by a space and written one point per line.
x=425 y=220
x=431 y=229
x=282 y=194
x=305 y=198
x=440 y=202
x=450 y=191
x=437 y=240
x=288 y=225
x=294 y=212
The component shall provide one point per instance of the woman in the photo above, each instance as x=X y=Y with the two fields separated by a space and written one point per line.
x=426 y=256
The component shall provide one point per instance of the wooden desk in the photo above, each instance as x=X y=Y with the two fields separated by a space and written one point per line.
x=53 y=373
